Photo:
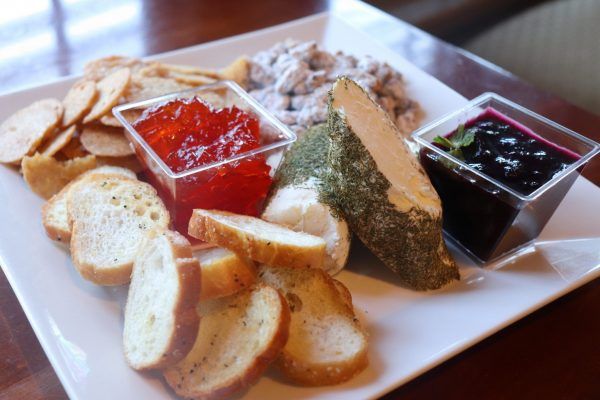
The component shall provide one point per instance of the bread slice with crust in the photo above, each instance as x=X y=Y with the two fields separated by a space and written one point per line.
x=109 y=216
x=344 y=293
x=54 y=211
x=224 y=272
x=239 y=337
x=326 y=345
x=161 y=322
x=258 y=240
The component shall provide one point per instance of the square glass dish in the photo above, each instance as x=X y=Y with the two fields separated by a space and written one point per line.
x=238 y=182
x=489 y=218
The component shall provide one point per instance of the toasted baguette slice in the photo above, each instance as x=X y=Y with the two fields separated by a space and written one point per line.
x=109 y=216
x=344 y=293
x=161 y=322
x=327 y=344
x=54 y=211
x=224 y=272
x=239 y=337
x=258 y=240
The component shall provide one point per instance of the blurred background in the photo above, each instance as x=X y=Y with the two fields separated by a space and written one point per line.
x=553 y=44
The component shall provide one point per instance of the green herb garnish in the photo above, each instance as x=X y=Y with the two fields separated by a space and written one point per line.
x=461 y=138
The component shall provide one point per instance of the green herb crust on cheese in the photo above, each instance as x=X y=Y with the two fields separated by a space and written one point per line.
x=402 y=223
x=296 y=202
x=306 y=159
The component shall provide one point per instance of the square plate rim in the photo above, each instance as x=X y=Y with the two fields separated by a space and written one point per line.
x=67 y=381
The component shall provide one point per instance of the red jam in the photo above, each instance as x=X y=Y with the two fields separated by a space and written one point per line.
x=189 y=133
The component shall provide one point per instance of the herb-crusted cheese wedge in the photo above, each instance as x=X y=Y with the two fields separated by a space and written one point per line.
x=381 y=189
x=296 y=203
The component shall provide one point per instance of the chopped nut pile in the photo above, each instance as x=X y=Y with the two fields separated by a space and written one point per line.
x=292 y=79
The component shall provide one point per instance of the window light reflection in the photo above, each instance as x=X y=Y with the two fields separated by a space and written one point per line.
x=23 y=9
x=113 y=17
x=27 y=46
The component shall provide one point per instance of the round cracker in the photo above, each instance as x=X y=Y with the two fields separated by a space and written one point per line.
x=78 y=101
x=130 y=162
x=191 y=79
x=144 y=87
x=182 y=74
x=110 y=90
x=102 y=67
x=73 y=149
x=110 y=120
x=23 y=131
x=46 y=176
x=191 y=70
x=238 y=71
x=132 y=115
x=105 y=141
x=53 y=145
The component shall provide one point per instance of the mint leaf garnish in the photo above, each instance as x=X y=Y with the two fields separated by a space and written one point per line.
x=443 y=141
x=457 y=153
x=461 y=138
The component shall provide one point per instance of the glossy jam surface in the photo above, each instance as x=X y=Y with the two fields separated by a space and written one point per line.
x=508 y=153
x=484 y=219
x=189 y=133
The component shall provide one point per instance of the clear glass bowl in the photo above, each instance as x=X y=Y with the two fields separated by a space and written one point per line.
x=174 y=187
x=482 y=215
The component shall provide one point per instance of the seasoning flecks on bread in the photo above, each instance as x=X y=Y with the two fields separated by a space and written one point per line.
x=239 y=336
x=327 y=344
x=161 y=322
x=109 y=216
x=259 y=240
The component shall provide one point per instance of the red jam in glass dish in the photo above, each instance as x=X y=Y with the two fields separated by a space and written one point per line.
x=189 y=133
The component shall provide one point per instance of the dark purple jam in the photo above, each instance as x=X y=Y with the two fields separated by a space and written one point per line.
x=512 y=154
x=482 y=218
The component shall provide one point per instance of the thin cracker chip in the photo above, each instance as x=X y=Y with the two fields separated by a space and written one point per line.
x=99 y=69
x=23 y=131
x=110 y=90
x=152 y=69
x=144 y=87
x=53 y=145
x=78 y=101
x=190 y=79
x=73 y=149
x=130 y=162
x=47 y=176
x=105 y=141
x=132 y=115
x=187 y=75
x=237 y=71
x=191 y=70
x=110 y=120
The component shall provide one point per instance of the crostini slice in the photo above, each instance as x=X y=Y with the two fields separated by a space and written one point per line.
x=54 y=211
x=161 y=322
x=110 y=215
x=224 y=272
x=327 y=344
x=258 y=240
x=239 y=336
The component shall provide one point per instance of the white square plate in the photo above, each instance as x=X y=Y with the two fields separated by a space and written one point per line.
x=79 y=325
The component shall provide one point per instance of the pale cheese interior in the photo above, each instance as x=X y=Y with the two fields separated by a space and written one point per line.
x=410 y=187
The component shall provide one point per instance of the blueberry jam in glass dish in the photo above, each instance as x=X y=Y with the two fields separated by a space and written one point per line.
x=500 y=171
x=510 y=153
